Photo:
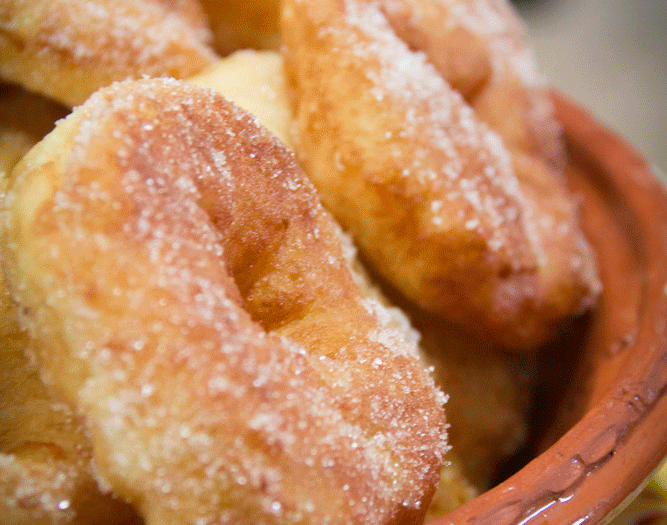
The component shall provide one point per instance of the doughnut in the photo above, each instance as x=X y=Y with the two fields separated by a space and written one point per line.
x=243 y=25
x=187 y=293
x=66 y=49
x=485 y=236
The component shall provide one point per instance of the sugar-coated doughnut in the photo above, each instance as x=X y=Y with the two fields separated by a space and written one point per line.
x=188 y=294
x=431 y=195
x=66 y=49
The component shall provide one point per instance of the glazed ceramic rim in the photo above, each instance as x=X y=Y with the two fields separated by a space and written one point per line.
x=599 y=464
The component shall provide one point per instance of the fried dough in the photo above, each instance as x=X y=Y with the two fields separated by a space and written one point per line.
x=428 y=191
x=66 y=49
x=179 y=278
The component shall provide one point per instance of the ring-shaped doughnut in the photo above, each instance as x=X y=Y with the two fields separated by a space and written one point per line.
x=486 y=237
x=187 y=293
x=67 y=49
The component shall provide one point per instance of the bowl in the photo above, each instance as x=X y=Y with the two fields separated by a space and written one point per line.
x=600 y=420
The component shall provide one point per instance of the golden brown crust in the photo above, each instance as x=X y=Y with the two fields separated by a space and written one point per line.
x=428 y=191
x=66 y=49
x=158 y=238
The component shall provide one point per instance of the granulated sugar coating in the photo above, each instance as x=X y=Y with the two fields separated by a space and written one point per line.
x=468 y=223
x=480 y=48
x=45 y=457
x=190 y=297
x=66 y=49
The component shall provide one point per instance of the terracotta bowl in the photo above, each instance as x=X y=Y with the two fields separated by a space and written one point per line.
x=601 y=416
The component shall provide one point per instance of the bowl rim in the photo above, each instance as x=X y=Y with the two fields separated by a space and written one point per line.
x=622 y=439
